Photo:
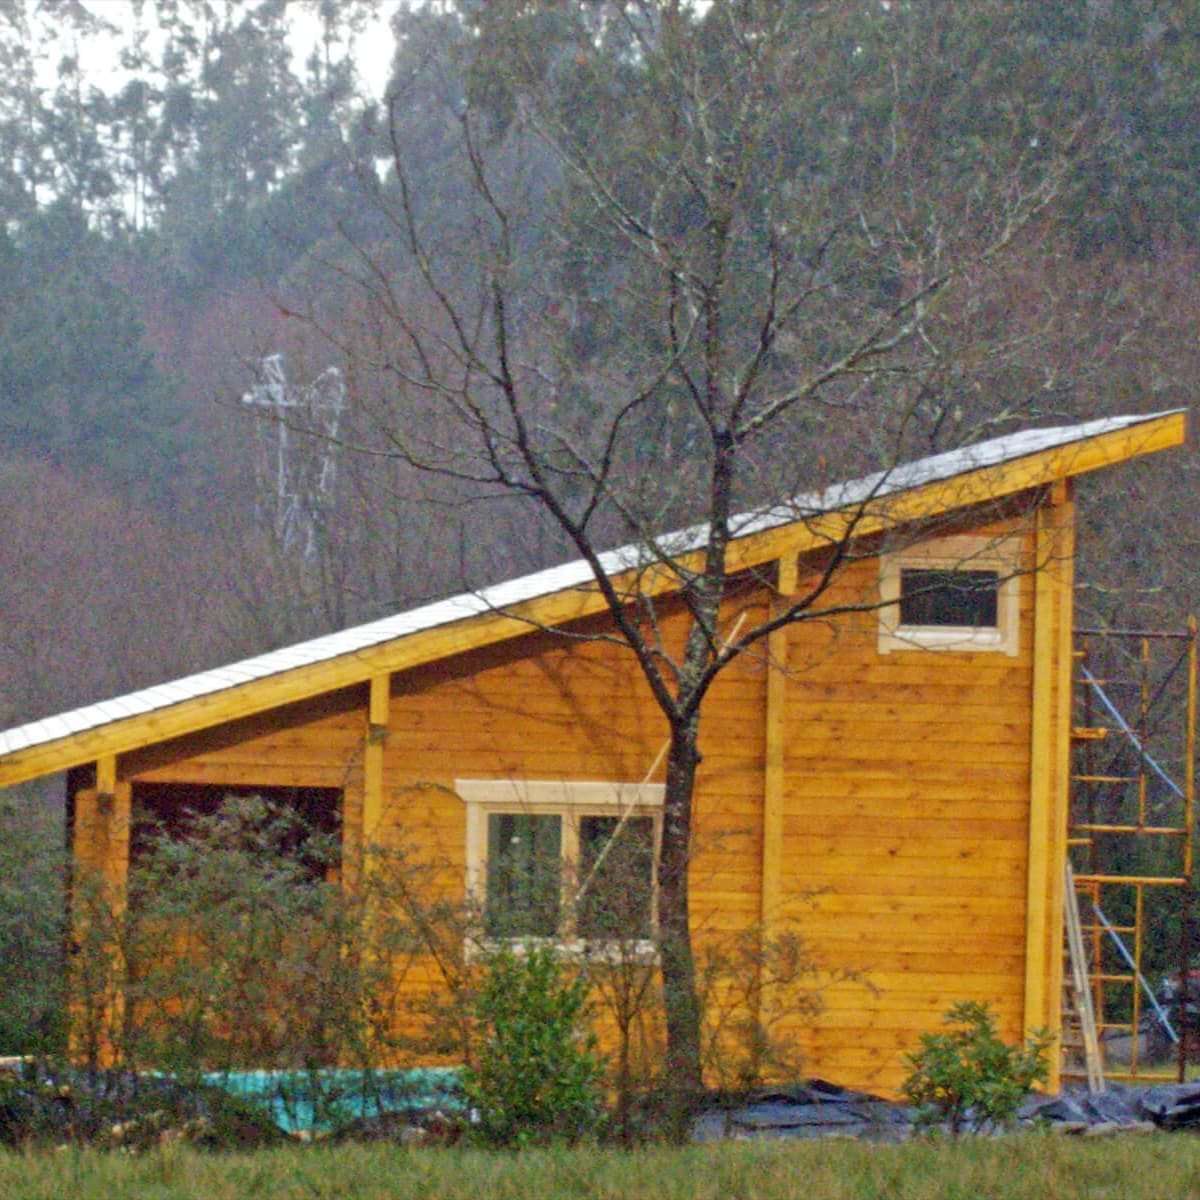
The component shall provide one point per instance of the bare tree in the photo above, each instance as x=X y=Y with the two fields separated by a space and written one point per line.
x=698 y=260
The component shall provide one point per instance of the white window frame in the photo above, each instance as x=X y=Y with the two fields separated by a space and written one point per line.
x=568 y=799
x=962 y=552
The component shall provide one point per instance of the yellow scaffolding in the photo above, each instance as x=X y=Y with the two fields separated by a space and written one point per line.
x=1131 y=836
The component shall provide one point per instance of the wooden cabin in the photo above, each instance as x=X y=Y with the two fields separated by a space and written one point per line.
x=900 y=768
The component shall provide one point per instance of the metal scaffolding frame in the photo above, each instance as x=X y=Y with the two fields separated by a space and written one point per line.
x=1130 y=839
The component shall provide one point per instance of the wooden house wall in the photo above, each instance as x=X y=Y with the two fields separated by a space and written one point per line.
x=536 y=708
x=906 y=783
x=906 y=816
x=545 y=709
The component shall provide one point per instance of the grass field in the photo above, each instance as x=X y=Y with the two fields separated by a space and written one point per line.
x=1130 y=1167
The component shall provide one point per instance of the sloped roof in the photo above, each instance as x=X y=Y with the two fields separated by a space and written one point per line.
x=940 y=483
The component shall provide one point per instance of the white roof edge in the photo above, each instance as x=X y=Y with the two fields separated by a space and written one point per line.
x=936 y=468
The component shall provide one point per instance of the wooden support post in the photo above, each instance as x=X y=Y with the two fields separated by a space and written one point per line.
x=1053 y=581
x=106 y=774
x=774 y=775
x=86 y=833
x=377 y=728
x=774 y=767
x=102 y=836
x=99 y=885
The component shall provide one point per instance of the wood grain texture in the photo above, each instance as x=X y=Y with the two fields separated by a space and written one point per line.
x=907 y=809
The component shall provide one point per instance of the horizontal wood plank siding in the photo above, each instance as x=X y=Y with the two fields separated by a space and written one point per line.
x=576 y=711
x=907 y=808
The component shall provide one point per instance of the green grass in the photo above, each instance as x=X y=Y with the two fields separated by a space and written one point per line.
x=1126 y=1168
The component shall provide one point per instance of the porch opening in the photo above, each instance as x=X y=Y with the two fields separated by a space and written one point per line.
x=177 y=811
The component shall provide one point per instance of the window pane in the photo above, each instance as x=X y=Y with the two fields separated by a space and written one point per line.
x=616 y=877
x=965 y=599
x=524 y=871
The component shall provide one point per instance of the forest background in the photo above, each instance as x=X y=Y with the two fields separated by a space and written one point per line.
x=167 y=228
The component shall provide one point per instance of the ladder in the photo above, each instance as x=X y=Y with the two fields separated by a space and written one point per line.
x=1076 y=982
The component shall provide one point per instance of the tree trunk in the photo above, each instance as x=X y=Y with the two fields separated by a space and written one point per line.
x=683 y=1068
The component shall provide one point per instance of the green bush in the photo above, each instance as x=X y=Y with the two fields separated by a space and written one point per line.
x=537 y=1073
x=237 y=947
x=32 y=909
x=240 y=950
x=969 y=1078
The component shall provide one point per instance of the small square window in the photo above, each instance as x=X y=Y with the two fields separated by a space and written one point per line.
x=947 y=597
x=952 y=593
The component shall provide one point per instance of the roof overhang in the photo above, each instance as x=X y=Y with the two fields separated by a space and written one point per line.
x=983 y=474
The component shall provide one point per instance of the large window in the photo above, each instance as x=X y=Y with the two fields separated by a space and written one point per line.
x=569 y=861
x=952 y=593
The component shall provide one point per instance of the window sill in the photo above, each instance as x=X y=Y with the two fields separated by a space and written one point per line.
x=607 y=951
x=959 y=638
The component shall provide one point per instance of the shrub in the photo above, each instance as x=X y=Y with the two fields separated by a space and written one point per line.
x=968 y=1078
x=755 y=986
x=239 y=946
x=240 y=949
x=537 y=1073
x=32 y=905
